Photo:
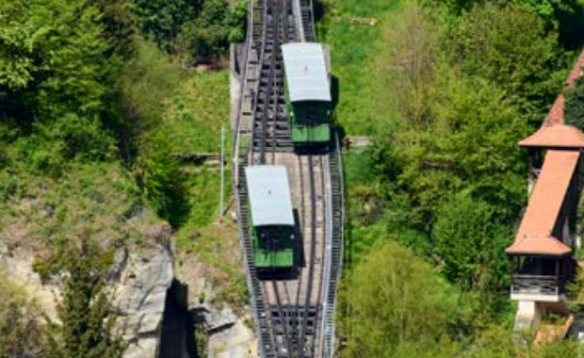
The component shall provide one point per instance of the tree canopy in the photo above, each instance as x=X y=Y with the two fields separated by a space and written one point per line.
x=446 y=105
x=574 y=107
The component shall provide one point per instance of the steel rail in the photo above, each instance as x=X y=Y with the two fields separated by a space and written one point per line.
x=245 y=145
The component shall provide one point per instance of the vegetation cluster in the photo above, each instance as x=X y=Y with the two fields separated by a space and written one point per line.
x=445 y=89
x=93 y=123
x=96 y=108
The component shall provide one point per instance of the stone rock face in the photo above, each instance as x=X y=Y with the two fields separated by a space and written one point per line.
x=237 y=341
x=229 y=337
x=216 y=320
x=141 y=282
x=18 y=267
x=140 y=298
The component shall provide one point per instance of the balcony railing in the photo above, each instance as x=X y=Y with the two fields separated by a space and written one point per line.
x=539 y=285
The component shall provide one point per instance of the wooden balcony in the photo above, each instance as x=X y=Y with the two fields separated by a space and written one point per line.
x=538 y=285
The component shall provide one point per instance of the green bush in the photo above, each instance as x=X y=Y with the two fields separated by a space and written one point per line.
x=161 y=20
x=54 y=144
x=207 y=38
x=52 y=59
x=86 y=321
x=20 y=332
x=159 y=177
x=396 y=298
x=574 y=108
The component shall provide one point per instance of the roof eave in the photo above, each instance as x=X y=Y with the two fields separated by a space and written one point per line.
x=531 y=253
x=274 y=224
x=555 y=146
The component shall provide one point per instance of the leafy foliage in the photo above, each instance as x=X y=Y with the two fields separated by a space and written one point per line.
x=574 y=107
x=217 y=25
x=54 y=51
x=86 y=322
x=161 y=20
x=20 y=332
x=119 y=29
x=467 y=142
x=511 y=47
x=159 y=177
x=146 y=81
x=52 y=147
x=412 y=293
x=469 y=241
x=200 y=29
x=446 y=105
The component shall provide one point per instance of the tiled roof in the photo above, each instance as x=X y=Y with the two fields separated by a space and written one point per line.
x=555 y=136
x=535 y=233
x=539 y=245
x=556 y=114
x=577 y=70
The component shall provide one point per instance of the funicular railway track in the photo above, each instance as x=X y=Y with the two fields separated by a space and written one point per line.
x=271 y=131
x=294 y=315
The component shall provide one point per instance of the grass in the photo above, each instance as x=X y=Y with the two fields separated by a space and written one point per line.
x=364 y=231
x=41 y=215
x=195 y=116
x=217 y=244
x=198 y=110
x=354 y=30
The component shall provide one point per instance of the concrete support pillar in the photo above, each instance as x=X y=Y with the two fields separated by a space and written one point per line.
x=528 y=316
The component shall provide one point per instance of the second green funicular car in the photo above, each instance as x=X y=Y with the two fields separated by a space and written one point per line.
x=307 y=93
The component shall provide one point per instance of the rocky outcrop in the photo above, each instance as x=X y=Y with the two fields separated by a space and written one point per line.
x=140 y=283
x=228 y=335
x=215 y=320
x=17 y=264
x=140 y=299
x=237 y=341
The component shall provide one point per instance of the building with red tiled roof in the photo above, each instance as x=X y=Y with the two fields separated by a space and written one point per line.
x=541 y=230
x=556 y=114
x=541 y=254
x=555 y=136
x=539 y=245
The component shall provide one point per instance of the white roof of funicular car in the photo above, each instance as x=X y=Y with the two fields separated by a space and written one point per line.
x=306 y=74
x=269 y=195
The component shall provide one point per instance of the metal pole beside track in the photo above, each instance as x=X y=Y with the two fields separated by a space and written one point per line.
x=222 y=194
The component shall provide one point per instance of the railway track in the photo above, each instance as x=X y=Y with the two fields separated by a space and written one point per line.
x=294 y=314
x=271 y=130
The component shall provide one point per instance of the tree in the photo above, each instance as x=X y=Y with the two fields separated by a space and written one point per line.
x=119 y=28
x=470 y=242
x=396 y=298
x=86 y=323
x=510 y=46
x=574 y=107
x=161 y=20
x=51 y=59
x=467 y=142
x=217 y=25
